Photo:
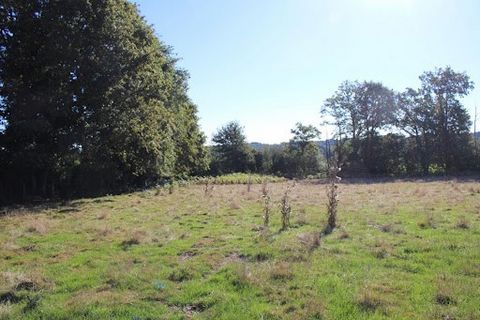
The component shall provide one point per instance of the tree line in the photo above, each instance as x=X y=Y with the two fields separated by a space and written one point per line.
x=378 y=132
x=92 y=102
x=299 y=158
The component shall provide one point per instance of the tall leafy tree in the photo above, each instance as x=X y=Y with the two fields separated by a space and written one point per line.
x=376 y=105
x=303 y=151
x=231 y=153
x=417 y=120
x=344 y=111
x=441 y=92
x=91 y=98
x=37 y=103
x=360 y=111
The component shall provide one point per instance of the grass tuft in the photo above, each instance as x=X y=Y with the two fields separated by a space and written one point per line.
x=463 y=223
x=286 y=209
x=5 y=311
x=344 y=235
x=38 y=226
x=444 y=295
x=428 y=222
x=310 y=241
x=130 y=242
x=180 y=275
x=369 y=300
x=281 y=271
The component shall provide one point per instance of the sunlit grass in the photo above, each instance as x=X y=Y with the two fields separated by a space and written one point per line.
x=403 y=250
x=242 y=178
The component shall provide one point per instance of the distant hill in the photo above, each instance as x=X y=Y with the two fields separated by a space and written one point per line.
x=258 y=146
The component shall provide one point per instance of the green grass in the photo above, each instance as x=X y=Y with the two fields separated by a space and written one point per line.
x=241 y=178
x=404 y=250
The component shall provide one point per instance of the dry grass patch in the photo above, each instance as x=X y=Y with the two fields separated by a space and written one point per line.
x=312 y=309
x=103 y=232
x=180 y=274
x=5 y=311
x=370 y=300
x=420 y=192
x=386 y=227
x=235 y=204
x=474 y=190
x=428 y=222
x=281 y=271
x=445 y=295
x=463 y=223
x=243 y=276
x=38 y=226
x=19 y=281
x=137 y=237
x=382 y=249
x=394 y=228
x=442 y=314
x=301 y=217
x=105 y=297
x=102 y=216
x=343 y=235
x=310 y=241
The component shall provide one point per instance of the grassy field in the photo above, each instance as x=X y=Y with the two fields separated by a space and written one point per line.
x=404 y=250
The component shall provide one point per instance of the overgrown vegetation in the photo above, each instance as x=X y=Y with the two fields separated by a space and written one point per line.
x=267 y=205
x=332 y=198
x=285 y=208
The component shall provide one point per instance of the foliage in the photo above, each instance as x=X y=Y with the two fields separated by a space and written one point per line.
x=441 y=91
x=332 y=198
x=432 y=117
x=92 y=101
x=239 y=178
x=267 y=206
x=285 y=208
x=303 y=156
x=231 y=153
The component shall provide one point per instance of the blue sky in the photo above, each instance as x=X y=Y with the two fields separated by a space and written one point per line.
x=272 y=63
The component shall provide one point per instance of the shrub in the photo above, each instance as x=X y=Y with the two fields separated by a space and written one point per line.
x=286 y=209
x=332 y=199
x=249 y=183
x=208 y=187
x=266 y=204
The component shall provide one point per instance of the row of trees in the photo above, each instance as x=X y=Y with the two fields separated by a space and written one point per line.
x=415 y=132
x=378 y=132
x=299 y=158
x=90 y=101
